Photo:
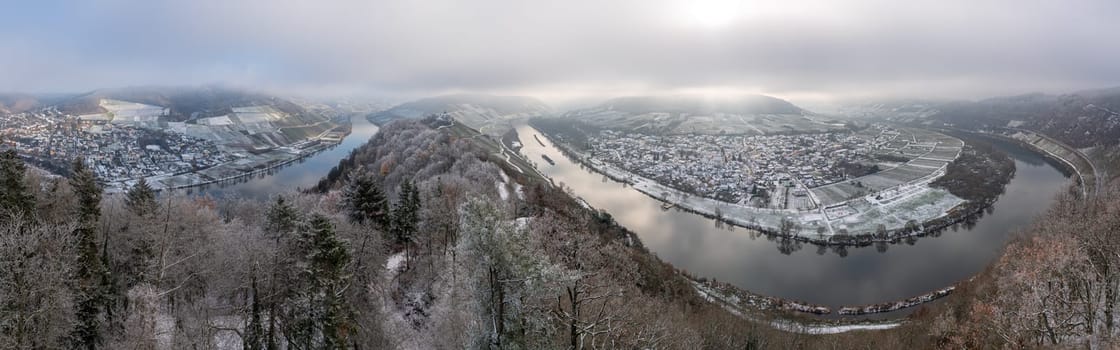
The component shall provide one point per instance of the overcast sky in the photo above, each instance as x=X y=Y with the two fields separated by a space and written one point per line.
x=556 y=50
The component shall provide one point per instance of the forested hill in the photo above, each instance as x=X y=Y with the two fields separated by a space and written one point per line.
x=185 y=102
x=746 y=105
x=16 y=103
x=1081 y=119
x=422 y=241
x=503 y=259
x=475 y=110
x=689 y=114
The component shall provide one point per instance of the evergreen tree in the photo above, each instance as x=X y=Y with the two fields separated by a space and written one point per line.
x=327 y=261
x=281 y=219
x=15 y=197
x=141 y=198
x=406 y=213
x=88 y=283
x=254 y=331
x=365 y=202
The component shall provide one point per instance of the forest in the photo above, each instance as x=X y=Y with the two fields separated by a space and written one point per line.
x=418 y=240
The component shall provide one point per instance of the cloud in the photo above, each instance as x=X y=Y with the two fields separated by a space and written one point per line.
x=794 y=47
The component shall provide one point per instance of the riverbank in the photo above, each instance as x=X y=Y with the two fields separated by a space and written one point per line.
x=743 y=304
x=241 y=170
x=201 y=179
x=897 y=305
x=910 y=211
x=1073 y=160
x=887 y=274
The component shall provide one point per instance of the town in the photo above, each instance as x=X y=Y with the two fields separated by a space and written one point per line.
x=747 y=169
x=114 y=152
x=131 y=142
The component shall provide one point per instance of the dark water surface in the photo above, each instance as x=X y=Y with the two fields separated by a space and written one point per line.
x=813 y=274
x=739 y=256
x=301 y=174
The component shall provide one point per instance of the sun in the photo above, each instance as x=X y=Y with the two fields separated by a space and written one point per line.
x=714 y=13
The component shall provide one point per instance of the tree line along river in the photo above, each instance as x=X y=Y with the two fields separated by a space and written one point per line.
x=744 y=258
x=828 y=276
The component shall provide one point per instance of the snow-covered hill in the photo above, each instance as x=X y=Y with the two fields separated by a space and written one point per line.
x=750 y=114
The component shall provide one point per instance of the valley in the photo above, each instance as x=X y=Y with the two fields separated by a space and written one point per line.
x=128 y=140
x=835 y=276
x=846 y=186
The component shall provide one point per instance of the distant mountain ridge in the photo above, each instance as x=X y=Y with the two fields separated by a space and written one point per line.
x=234 y=117
x=680 y=114
x=749 y=104
x=184 y=103
x=17 y=103
x=1081 y=119
x=467 y=108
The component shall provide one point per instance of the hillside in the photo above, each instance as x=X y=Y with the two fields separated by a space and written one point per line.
x=1081 y=119
x=186 y=103
x=488 y=113
x=16 y=103
x=426 y=238
x=239 y=118
x=751 y=114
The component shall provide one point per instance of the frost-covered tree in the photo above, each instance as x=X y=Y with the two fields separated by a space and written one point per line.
x=36 y=307
x=406 y=213
x=326 y=323
x=365 y=202
x=509 y=275
x=281 y=219
x=281 y=222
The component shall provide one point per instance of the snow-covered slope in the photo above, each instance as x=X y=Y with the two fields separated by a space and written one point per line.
x=751 y=114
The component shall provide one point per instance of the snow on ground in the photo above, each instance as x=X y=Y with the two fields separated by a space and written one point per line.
x=216 y=121
x=522 y=223
x=922 y=204
x=727 y=301
x=519 y=190
x=793 y=327
x=515 y=167
x=394 y=262
x=502 y=190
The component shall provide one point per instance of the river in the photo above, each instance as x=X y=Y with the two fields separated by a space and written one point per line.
x=749 y=260
x=863 y=275
x=301 y=174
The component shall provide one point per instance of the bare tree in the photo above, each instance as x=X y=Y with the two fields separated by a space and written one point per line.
x=35 y=301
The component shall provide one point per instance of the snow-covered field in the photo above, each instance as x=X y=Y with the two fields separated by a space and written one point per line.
x=707 y=123
x=915 y=201
x=132 y=112
x=830 y=329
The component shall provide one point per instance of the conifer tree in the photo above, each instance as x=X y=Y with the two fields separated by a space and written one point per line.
x=88 y=281
x=327 y=261
x=141 y=198
x=281 y=222
x=281 y=219
x=254 y=331
x=15 y=197
x=406 y=213
x=365 y=202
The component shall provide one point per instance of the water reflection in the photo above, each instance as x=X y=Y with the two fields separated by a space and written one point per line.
x=301 y=174
x=832 y=276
